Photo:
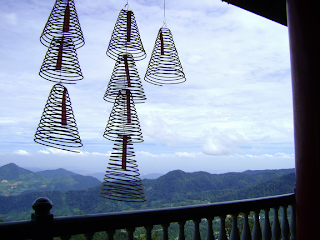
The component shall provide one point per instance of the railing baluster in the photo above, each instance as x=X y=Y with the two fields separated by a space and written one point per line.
x=235 y=231
x=110 y=234
x=222 y=233
x=285 y=224
x=246 y=234
x=210 y=235
x=276 y=231
x=181 y=230
x=293 y=223
x=196 y=234
x=165 y=227
x=148 y=232
x=266 y=227
x=130 y=232
x=89 y=236
x=256 y=234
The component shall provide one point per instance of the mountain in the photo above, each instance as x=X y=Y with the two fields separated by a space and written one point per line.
x=270 y=171
x=12 y=171
x=101 y=175
x=60 y=172
x=176 y=188
x=152 y=176
x=282 y=185
x=15 y=180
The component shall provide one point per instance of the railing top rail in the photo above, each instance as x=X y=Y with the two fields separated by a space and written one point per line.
x=102 y=222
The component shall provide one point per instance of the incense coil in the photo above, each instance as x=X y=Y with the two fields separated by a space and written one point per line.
x=61 y=62
x=125 y=37
x=122 y=184
x=125 y=75
x=63 y=21
x=164 y=66
x=57 y=127
x=123 y=119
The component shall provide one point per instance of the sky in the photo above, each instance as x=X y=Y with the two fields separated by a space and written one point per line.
x=234 y=112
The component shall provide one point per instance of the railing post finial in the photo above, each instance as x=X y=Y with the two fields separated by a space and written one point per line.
x=42 y=218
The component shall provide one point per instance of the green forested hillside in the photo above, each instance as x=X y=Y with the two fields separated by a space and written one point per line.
x=60 y=172
x=176 y=188
x=12 y=171
x=15 y=180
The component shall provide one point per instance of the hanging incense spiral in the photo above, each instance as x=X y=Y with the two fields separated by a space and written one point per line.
x=57 y=127
x=62 y=35
x=122 y=181
x=164 y=66
x=63 y=21
x=123 y=120
x=125 y=76
x=61 y=62
x=125 y=37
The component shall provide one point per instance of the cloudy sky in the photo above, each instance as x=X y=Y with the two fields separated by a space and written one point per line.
x=233 y=113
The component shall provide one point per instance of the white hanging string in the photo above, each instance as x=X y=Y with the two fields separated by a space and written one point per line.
x=127 y=5
x=164 y=14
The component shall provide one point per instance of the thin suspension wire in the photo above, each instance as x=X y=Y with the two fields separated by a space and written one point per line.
x=164 y=14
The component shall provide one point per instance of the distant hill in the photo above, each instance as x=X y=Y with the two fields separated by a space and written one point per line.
x=176 y=188
x=282 y=185
x=60 y=172
x=12 y=171
x=152 y=176
x=270 y=171
x=100 y=175
x=15 y=180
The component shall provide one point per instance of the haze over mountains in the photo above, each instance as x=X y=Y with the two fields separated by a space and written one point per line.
x=74 y=194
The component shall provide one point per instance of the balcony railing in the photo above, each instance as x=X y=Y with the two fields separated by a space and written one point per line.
x=43 y=225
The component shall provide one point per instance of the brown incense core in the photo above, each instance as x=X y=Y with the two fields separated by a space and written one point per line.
x=128 y=25
x=161 y=39
x=66 y=20
x=125 y=57
x=124 y=152
x=128 y=106
x=64 y=108
x=59 y=60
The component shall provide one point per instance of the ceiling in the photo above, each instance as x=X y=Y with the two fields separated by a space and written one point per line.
x=274 y=10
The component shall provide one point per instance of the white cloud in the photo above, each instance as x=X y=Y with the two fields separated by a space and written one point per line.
x=284 y=155
x=186 y=154
x=22 y=152
x=56 y=151
x=274 y=156
x=157 y=128
x=236 y=63
x=223 y=142
x=148 y=154
x=101 y=154
x=176 y=154
x=44 y=152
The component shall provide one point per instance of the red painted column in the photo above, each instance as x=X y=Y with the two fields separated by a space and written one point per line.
x=303 y=24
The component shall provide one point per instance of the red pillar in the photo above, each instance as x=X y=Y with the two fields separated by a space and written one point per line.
x=304 y=24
